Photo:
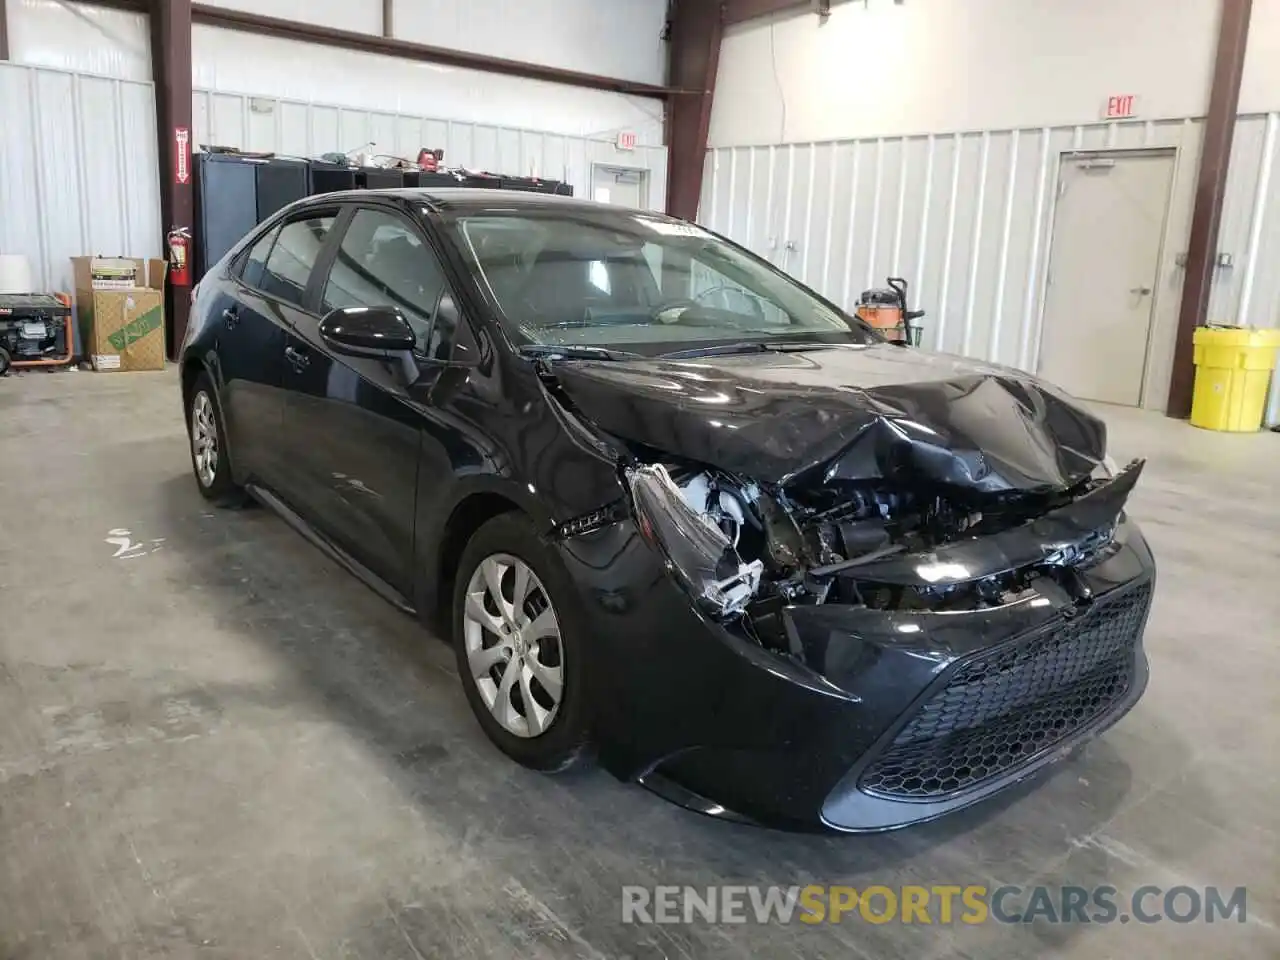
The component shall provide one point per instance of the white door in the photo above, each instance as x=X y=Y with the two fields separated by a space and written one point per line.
x=1102 y=274
x=624 y=186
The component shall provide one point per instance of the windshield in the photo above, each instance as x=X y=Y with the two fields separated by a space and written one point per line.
x=616 y=278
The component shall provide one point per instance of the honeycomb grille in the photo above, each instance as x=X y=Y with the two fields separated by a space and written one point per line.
x=1008 y=705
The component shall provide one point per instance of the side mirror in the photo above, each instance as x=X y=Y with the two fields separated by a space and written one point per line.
x=378 y=332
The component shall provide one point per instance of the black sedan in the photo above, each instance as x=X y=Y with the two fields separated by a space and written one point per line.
x=676 y=511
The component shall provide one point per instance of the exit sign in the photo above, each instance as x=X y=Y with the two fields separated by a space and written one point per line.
x=627 y=140
x=1120 y=105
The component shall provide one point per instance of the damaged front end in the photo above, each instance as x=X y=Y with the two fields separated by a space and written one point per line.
x=911 y=595
x=744 y=551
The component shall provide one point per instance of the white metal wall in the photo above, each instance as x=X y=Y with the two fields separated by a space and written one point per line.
x=73 y=36
x=620 y=38
x=615 y=38
x=296 y=128
x=232 y=62
x=967 y=218
x=882 y=68
x=78 y=169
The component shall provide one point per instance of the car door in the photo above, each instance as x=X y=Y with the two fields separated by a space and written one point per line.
x=352 y=415
x=280 y=294
x=250 y=344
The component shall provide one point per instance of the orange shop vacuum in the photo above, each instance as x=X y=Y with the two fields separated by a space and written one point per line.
x=885 y=308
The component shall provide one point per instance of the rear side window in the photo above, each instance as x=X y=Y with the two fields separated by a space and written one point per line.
x=382 y=262
x=289 y=265
x=255 y=262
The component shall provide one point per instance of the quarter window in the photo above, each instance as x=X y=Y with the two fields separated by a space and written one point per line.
x=255 y=261
x=289 y=266
x=382 y=262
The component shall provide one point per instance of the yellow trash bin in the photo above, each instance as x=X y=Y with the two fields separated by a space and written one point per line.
x=1233 y=371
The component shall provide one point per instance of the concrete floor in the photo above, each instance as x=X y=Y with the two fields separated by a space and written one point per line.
x=225 y=746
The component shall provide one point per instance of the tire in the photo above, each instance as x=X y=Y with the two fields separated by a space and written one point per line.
x=5 y=361
x=556 y=736
x=205 y=424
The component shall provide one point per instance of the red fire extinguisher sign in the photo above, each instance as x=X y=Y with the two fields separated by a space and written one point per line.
x=182 y=155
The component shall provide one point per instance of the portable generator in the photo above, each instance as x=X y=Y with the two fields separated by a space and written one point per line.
x=34 y=330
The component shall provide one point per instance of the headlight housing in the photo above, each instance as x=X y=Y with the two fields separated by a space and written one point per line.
x=699 y=554
x=1106 y=470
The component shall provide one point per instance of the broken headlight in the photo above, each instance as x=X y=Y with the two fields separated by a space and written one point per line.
x=1106 y=470
x=700 y=551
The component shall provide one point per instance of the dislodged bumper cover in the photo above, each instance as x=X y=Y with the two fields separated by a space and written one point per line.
x=857 y=412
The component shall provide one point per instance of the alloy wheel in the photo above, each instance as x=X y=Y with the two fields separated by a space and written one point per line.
x=204 y=438
x=513 y=646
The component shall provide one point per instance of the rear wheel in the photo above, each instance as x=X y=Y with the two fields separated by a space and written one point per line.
x=210 y=457
x=517 y=641
x=5 y=361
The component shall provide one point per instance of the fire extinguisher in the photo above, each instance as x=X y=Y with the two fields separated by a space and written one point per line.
x=180 y=256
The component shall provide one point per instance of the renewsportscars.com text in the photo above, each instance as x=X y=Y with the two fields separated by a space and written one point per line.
x=939 y=904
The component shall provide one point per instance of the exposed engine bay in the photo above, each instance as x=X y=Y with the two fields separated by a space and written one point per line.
x=742 y=548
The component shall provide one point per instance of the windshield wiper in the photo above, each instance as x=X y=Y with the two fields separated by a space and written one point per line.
x=552 y=351
x=746 y=346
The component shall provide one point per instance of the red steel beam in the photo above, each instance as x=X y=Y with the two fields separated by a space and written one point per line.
x=130 y=6
x=693 y=58
x=171 y=67
x=739 y=11
x=369 y=43
x=1211 y=188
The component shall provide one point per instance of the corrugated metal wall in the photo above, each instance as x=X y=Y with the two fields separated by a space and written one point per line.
x=967 y=218
x=78 y=169
x=302 y=129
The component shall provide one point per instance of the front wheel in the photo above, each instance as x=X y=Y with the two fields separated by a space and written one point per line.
x=519 y=646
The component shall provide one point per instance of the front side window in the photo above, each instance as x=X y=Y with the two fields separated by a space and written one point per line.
x=604 y=278
x=288 y=268
x=383 y=262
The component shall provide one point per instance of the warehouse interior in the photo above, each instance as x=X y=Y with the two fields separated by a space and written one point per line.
x=217 y=742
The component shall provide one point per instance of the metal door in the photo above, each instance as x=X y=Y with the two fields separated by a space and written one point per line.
x=1107 y=231
x=622 y=186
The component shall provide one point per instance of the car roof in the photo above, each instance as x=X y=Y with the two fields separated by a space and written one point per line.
x=469 y=200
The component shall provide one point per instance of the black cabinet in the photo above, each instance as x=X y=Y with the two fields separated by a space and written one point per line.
x=376 y=178
x=226 y=205
x=280 y=182
x=331 y=177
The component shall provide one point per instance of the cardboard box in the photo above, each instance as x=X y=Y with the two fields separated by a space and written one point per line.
x=121 y=329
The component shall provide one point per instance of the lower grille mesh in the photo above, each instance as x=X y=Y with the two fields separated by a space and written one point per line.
x=1004 y=707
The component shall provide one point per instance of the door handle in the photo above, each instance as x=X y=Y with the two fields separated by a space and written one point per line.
x=297 y=359
x=1141 y=291
x=230 y=316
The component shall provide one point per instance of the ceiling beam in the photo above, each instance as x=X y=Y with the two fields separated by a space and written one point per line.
x=388 y=46
x=129 y=6
x=247 y=22
x=1211 y=188
x=740 y=11
x=693 y=58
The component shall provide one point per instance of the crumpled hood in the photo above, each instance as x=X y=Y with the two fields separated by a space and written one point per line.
x=847 y=412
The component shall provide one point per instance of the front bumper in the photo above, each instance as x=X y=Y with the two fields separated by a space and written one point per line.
x=887 y=718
